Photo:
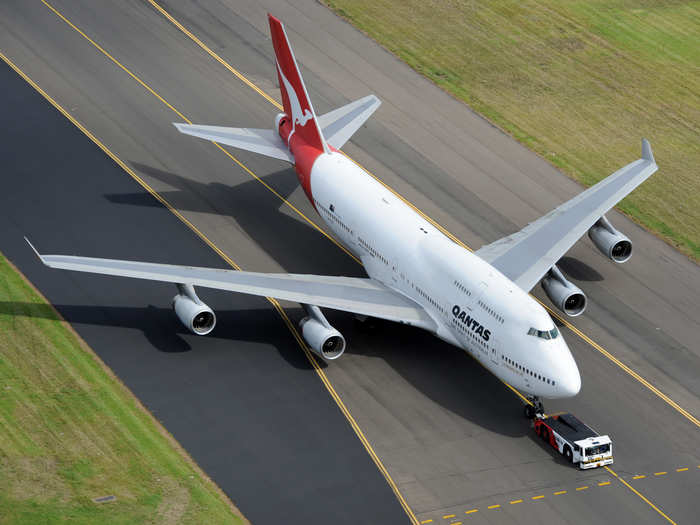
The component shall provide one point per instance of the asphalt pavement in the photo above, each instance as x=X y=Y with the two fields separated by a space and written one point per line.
x=449 y=433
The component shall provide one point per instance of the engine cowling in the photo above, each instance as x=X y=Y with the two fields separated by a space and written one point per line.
x=324 y=340
x=197 y=317
x=611 y=243
x=565 y=295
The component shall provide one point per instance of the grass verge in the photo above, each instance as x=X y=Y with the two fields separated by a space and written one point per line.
x=577 y=81
x=71 y=432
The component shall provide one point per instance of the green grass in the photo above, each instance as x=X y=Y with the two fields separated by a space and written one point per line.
x=579 y=82
x=71 y=432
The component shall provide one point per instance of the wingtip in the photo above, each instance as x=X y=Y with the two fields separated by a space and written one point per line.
x=646 y=151
x=36 y=252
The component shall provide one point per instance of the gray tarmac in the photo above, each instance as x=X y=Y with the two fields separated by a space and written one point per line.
x=449 y=433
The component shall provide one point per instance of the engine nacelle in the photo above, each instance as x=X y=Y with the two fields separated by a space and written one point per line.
x=322 y=338
x=565 y=295
x=611 y=243
x=192 y=312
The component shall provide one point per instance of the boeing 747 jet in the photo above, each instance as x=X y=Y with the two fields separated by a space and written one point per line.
x=479 y=301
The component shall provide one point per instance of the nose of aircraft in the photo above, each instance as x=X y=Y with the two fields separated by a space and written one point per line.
x=569 y=377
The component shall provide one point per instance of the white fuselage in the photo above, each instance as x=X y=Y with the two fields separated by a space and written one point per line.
x=473 y=305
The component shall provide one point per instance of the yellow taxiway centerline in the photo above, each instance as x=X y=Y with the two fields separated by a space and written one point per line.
x=552 y=312
x=233 y=264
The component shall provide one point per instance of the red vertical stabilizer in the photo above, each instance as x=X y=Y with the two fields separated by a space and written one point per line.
x=295 y=99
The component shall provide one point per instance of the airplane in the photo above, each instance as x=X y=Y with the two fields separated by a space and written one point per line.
x=477 y=301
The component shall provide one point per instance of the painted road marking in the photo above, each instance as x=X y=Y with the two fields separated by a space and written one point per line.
x=426 y=521
x=683 y=469
x=448 y=516
x=538 y=497
x=582 y=488
x=660 y=473
x=603 y=483
x=560 y=493
x=490 y=507
x=657 y=509
x=639 y=476
x=274 y=302
x=595 y=345
x=516 y=501
x=472 y=511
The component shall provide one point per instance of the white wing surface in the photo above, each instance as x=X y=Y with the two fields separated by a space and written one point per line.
x=263 y=141
x=350 y=294
x=340 y=124
x=526 y=256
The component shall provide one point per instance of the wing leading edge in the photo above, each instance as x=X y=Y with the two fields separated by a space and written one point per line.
x=526 y=256
x=350 y=294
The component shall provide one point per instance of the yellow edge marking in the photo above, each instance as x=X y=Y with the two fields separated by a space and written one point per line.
x=537 y=497
x=426 y=521
x=560 y=492
x=448 y=516
x=233 y=264
x=493 y=506
x=471 y=511
x=681 y=469
x=657 y=509
x=660 y=473
x=587 y=339
x=639 y=476
x=603 y=483
x=582 y=488
x=516 y=501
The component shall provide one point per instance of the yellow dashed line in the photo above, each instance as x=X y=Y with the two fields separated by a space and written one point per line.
x=426 y=521
x=516 y=501
x=582 y=488
x=560 y=492
x=472 y=511
x=683 y=469
x=639 y=476
x=660 y=473
x=537 y=497
x=603 y=483
x=493 y=506
x=448 y=516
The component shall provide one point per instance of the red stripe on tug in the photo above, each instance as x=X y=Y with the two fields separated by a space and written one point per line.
x=304 y=155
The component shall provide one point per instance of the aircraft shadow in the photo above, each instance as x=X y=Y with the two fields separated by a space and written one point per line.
x=579 y=270
x=289 y=240
x=163 y=330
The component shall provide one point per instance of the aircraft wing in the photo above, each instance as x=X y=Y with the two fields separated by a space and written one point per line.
x=340 y=124
x=350 y=294
x=263 y=141
x=526 y=256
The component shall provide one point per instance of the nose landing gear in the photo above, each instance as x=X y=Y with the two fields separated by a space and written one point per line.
x=534 y=408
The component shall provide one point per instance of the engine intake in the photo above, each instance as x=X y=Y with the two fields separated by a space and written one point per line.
x=197 y=317
x=611 y=243
x=565 y=295
x=324 y=340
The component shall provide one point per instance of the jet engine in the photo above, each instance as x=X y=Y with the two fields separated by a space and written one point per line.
x=566 y=296
x=192 y=312
x=322 y=338
x=611 y=243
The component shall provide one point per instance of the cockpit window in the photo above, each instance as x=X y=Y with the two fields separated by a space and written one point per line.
x=544 y=334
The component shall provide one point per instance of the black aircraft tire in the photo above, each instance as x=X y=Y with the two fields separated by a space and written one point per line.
x=529 y=412
x=544 y=434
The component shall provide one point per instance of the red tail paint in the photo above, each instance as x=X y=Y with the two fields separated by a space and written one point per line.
x=300 y=129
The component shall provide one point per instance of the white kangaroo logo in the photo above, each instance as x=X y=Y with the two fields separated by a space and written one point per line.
x=298 y=116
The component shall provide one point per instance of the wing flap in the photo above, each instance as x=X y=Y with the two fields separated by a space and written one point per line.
x=262 y=141
x=342 y=123
x=526 y=256
x=351 y=294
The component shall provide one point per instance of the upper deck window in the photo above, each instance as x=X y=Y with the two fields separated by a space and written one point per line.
x=544 y=334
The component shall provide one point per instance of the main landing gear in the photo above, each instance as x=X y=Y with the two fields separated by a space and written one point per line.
x=535 y=408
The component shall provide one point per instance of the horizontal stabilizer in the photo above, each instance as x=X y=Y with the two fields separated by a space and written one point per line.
x=263 y=141
x=340 y=124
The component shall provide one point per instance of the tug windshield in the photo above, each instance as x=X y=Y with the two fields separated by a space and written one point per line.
x=600 y=449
